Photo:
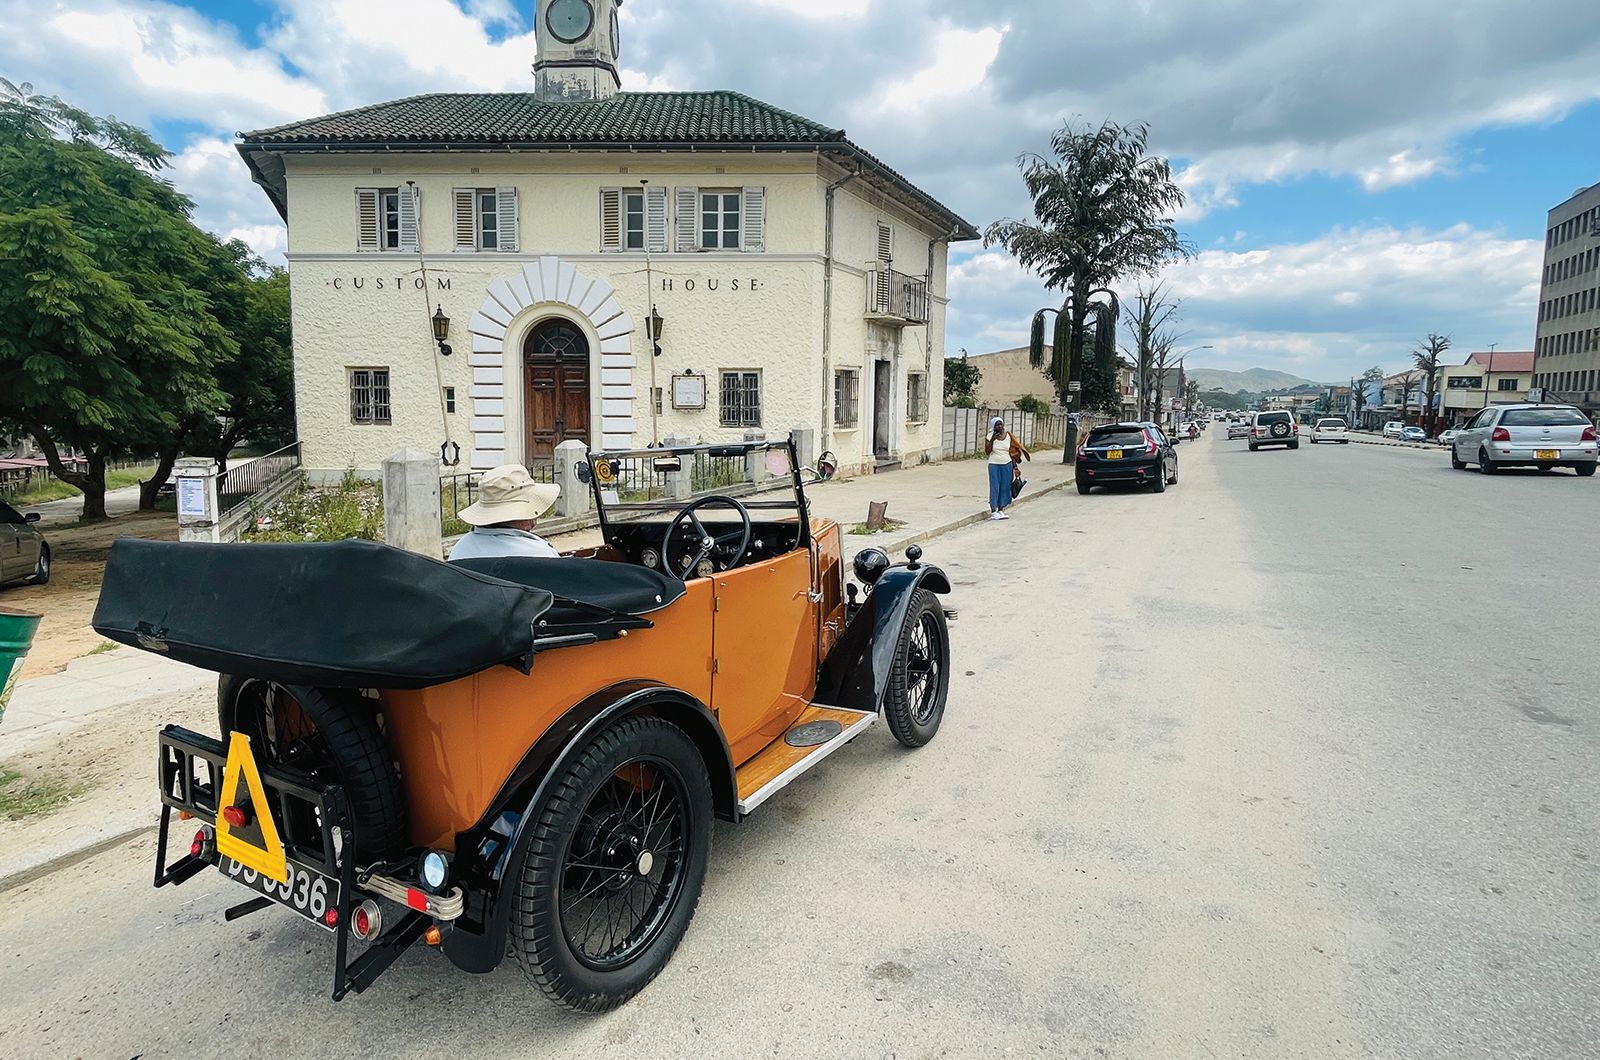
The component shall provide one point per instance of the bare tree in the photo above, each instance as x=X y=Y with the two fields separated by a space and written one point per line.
x=1426 y=356
x=1147 y=318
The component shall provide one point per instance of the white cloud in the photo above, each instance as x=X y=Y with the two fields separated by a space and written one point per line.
x=961 y=64
x=820 y=9
x=227 y=202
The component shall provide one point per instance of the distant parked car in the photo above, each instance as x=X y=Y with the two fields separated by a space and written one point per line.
x=1448 y=437
x=1393 y=428
x=1542 y=436
x=1127 y=452
x=1273 y=428
x=24 y=553
x=1413 y=434
x=1238 y=430
x=1330 y=430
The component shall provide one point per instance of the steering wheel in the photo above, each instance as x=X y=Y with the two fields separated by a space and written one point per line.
x=707 y=543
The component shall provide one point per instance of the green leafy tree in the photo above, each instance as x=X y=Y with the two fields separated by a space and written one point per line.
x=1427 y=355
x=961 y=379
x=1032 y=405
x=107 y=335
x=1102 y=211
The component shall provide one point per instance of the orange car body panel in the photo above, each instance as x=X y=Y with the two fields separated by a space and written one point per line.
x=458 y=743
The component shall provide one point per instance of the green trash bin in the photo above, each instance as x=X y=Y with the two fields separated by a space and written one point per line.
x=16 y=637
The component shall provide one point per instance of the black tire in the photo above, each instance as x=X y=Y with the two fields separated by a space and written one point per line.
x=1485 y=465
x=1455 y=461
x=1294 y=445
x=1584 y=470
x=1172 y=480
x=919 y=681
x=1159 y=483
x=41 y=569
x=592 y=834
x=328 y=732
x=1084 y=487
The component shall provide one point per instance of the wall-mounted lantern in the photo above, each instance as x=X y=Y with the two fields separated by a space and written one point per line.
x=654 y=327
x=441 y=330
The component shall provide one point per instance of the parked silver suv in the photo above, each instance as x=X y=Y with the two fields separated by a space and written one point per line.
x=1542 y=436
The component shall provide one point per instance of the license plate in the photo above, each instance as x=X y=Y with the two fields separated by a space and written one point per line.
x=1547 y=454
x=1113 y=454
x=307 y=892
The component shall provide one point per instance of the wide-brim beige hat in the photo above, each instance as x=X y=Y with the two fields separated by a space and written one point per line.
x=507 y=494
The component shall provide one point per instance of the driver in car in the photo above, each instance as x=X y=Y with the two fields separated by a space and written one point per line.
x=507 y=510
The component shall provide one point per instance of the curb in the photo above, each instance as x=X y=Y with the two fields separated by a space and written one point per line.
x=965 y=520
x=1425 y=446
x=68 y=858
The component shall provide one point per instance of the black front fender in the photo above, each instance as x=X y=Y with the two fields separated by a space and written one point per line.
x=856 y=671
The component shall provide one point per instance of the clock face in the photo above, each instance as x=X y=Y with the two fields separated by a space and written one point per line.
x=616 y=47
x=570 y=20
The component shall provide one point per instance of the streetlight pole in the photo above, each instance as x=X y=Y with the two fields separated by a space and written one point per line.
x=1489 y=376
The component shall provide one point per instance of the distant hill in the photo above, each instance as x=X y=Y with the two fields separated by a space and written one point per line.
x=1256 y=380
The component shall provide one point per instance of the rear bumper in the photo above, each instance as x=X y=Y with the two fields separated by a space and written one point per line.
x=1269 y=440
x=1572 y=456
x=1103 y=471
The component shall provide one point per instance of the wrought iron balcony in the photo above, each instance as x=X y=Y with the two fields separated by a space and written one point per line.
x=896 y=297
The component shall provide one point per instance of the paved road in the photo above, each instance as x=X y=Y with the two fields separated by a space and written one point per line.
x=1255 y=768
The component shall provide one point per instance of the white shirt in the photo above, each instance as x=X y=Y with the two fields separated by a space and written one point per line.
x=1001 y=453
x=487 y=542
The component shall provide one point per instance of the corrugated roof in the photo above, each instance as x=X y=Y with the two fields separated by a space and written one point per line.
x=1507 y=361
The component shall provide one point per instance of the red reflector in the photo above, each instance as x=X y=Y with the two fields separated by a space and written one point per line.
x=416 y=899
x=363 y=922
x=331 y=918
x=235 y=816
x=199 y=843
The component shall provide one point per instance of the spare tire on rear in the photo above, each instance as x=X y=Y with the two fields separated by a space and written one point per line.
x=331 y=733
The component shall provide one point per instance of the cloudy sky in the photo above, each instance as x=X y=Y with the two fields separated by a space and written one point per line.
x=1360 y=172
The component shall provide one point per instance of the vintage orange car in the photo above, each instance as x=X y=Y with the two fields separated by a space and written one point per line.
x=526 y=751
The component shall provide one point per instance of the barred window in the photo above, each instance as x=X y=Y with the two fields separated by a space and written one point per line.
x=369 y=395
x=917 y=397
x=741 y=399
x=846 y=397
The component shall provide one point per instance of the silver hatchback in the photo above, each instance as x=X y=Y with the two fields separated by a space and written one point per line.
x=1542 y=436
x=24 y=553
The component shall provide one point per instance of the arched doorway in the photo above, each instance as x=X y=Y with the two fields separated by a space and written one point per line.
x=555 y=358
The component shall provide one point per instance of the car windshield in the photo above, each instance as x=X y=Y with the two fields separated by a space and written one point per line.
x=1555 y=417
x=1117 y=437
x=653 y=485
x=9 y=514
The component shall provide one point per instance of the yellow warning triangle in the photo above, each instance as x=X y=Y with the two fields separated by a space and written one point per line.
x=267 y=856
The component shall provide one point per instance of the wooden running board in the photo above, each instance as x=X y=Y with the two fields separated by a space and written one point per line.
x=778 y=764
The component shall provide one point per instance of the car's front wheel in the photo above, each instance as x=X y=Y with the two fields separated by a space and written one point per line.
x=41 y=570
x=1455 y=461
x=919 y=681
x=615 y=865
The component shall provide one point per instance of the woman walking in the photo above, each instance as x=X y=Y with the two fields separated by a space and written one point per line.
x=998 y=448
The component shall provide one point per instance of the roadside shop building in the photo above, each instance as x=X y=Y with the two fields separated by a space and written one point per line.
x=612 y=267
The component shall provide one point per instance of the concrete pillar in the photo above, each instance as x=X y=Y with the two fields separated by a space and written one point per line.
x=198 y=514
x=680 y=483
x=411 y=513
x=805 y=445
x=755 y=464
x=574 y=500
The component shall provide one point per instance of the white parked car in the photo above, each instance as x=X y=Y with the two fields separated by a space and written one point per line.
x=1393 y=428
x=1542 y=436
x=1448 y=437
x=1330 y=431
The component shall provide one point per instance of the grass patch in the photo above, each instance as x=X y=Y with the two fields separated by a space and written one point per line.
x=889 y=527
x=353 y=508
x=22 y=796
x=103 y=647
x=51 y=488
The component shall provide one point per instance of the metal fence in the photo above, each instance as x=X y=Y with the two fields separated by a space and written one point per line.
x=458 y=491
x=243 y=484
x=965 y=429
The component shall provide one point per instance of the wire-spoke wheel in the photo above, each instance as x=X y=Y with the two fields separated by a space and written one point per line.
x=614 y=870
x=919 y=682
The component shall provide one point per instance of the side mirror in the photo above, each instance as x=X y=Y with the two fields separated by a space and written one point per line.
x=32 y=517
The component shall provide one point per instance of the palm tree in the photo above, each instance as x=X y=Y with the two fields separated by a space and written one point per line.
x=1426 y=356
x=1102 y=211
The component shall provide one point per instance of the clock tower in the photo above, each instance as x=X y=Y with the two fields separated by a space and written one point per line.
x=577 y=50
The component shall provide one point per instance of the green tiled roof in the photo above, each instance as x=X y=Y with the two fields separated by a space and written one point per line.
x=462 y=120
x=520 y=117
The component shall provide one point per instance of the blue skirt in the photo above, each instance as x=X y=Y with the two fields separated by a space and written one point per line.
x=999 y=486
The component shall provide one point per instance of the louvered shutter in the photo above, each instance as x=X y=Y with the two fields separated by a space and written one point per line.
x=880 y=293
x=655 y=219
x=885 y=245
x=410 y=231
x=366 y=218
x=505 y=202
x=755 y=220
x=466 y=219
x=688 y=219
x=610 y=218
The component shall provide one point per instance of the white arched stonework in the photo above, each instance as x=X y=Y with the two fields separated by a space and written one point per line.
x=549 y=282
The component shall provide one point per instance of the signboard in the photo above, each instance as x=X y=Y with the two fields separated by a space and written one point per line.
x=1536 y=394
x=689 y=391
x=192 y=497
x=1074 y=386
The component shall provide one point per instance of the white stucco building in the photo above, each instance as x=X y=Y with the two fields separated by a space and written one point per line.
x=798 y=280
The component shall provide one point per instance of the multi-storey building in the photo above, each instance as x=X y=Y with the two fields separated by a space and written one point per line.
x=1567 y=351
x=1493 y=378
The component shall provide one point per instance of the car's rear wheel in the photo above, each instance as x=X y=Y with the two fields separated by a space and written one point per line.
x=330 y=733
x=41 y=569
x=1084 y=487
x=1485 y=465
x=615 y=865
x=919 y=681
x=1584 y=470
x=1294 y=445
x=1159 y=483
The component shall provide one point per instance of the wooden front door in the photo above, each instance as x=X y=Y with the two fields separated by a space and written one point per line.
x=555 y=361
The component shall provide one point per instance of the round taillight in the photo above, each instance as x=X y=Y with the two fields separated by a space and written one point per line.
x=331 y=918
x=363 y=922
x=235 y=816
x=199 y=844
x=366 y=920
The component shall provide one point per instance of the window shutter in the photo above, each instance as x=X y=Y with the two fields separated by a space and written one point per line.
x=505 y=203
x=466 y=220
x=366 y=218
x=885 y=245
x=655 y=219
x=410 y=236
x=610 y=218
x=688 y=219
x=755 y=220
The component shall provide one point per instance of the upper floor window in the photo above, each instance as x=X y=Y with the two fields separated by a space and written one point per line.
x=1464 y=382
x=634 y=219
x=386 y=219
x=721 y=219
x=486 y=219
x=1507 y=384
